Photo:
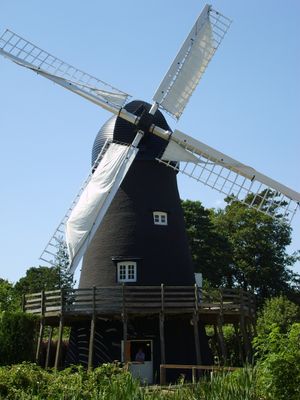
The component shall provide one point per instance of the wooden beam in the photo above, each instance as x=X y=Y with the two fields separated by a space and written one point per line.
x=240 y=347
x=197 y=339
x=221 y=339
x=40 y=339
x=49 y=347
x=92 y=332
x=124 y=338
x=162 y=374
x=162 y=338
x=91 y=343
x=59 y=342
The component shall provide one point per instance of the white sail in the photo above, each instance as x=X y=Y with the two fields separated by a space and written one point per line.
x=191 y=61
x=88 y=213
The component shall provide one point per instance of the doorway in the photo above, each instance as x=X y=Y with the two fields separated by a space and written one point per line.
x=139 y=356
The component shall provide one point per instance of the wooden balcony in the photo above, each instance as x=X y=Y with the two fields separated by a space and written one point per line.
x=140 y=300
x=65 y=307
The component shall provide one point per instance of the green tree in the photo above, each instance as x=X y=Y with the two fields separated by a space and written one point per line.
x=47 y=278
x=279 y=312
x=37 y=279
x=9 y=300
x=210 y=249
x=62 y=263
x=258 y=242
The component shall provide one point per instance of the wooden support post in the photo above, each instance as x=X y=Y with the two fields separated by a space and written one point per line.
x=42 y=325
x=40 y=340
x=193 y=375
x=162 y=338
x=218 y=343
x=248 y=328
x=220 y=321
x=92 y=332
x=162 y=327
x=59 y=342
x=240 y=347
x=124 y=317
x=222 y=340
x=49 y=347
x=162 y=373
x=197 y=339
x=125 y=339
x=243 y=326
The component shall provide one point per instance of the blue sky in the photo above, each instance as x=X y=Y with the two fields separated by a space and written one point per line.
x=247 y=104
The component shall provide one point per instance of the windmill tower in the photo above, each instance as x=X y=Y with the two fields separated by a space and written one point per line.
x=126 y=222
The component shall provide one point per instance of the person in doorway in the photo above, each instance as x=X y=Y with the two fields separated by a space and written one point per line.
x=140 y=355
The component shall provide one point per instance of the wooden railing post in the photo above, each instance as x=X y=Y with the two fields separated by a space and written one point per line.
x=92 y=331
x=196 y=298
x=62 y=301
x=23 y=302
x=162 y=297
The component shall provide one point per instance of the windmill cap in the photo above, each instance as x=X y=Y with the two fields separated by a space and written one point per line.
x=118 y=130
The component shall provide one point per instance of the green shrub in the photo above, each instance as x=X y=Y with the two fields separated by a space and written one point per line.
x=17 y=337
x=279 y=363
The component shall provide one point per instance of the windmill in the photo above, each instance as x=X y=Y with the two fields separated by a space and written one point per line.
x=126 y=222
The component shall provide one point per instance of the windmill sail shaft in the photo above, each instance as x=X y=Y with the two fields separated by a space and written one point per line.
x=90 y=210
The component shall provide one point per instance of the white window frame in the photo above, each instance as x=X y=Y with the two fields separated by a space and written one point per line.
x=126 y=271
x=160 y=218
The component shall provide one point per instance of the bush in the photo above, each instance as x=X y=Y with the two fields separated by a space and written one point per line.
x=28 y=381
x=279 y=363
x=111 y=382
x=17 y=337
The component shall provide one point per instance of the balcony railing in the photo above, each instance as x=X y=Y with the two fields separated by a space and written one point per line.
x=138 y=300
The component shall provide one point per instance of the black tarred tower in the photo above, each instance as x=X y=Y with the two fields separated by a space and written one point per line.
x=142 y=241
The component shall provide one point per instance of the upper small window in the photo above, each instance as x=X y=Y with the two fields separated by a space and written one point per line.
x=126 y=271
x=160 y=218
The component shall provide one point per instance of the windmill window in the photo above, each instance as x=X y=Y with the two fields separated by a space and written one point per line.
x=126 y=271
x=160 y=218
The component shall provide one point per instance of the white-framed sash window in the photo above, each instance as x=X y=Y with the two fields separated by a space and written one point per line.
x=126 y=271
x=160 y=218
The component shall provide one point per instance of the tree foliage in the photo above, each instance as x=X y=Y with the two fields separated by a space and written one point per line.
x=279 y=312
x=17 y=337
x=47 y=278
x=62 y=264
x=239 y=246
x=258 y=244
x=9 y=301
x=210 y=249
x=37 y=279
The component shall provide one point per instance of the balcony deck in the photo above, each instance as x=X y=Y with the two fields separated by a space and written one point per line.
x=139 y=301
